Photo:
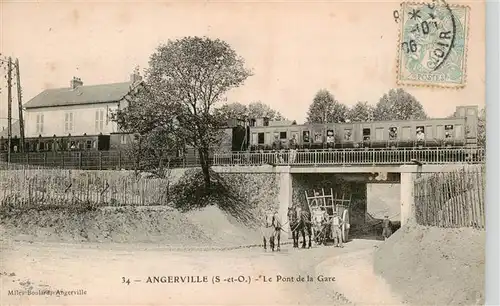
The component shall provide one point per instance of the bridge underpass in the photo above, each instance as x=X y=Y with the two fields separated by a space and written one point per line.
x=293 y=180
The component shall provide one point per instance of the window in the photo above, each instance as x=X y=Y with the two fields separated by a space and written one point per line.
x=448 y=131
x=99 y=120
x=49 y=146
x=330 y=136
x=41 y=146
x=366 y=134
x=68 y=122
x=89 y=144
x=39 y=124
x=379 y=134
x=123 y=139
x=282 y=135
x=318 y=137
x=260 y=138
x=420 y=132
x=255 y=138
x=305 y=136
x=348 y=134
x=393 y=133
x=295 y=138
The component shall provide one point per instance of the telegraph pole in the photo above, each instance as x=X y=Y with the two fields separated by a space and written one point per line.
x=20 y=104
x=9 y=113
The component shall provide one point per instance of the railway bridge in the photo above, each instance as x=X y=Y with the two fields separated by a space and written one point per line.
x=402 y=166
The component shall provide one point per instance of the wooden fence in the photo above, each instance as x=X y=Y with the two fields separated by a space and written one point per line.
x=57 y=187
x=453 y=199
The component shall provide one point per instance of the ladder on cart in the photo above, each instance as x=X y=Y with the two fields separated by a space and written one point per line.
x=331 y=203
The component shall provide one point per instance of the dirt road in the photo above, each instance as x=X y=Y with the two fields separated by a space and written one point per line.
x=95 y=272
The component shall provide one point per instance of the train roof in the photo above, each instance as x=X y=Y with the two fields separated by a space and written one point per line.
x=362 y=122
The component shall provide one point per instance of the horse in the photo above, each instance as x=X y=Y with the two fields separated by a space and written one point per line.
x=272 y=232
x=300 y=222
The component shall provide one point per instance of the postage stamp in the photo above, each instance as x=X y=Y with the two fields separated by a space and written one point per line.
x=433 y=44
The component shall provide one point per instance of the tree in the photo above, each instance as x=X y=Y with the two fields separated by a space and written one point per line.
x=188 y=77
x=481 y=128
x=258 y=110
x=361 y=112
x=325 y=108
x=252 y=111
x=152 y=121
x=233 y=110
x=398 y=105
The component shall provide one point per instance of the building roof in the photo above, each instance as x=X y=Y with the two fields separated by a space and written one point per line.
x=90 y=94
x=16 y=130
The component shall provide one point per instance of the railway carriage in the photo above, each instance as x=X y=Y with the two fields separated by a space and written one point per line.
x=457 y=131
x=59 y=143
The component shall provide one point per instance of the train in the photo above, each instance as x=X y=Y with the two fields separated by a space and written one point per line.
x=58 y=143
x=262 y=134
x=459 y=130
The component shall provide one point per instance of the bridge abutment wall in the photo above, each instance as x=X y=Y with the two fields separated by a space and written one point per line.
x=285 y=196
x=408 y=176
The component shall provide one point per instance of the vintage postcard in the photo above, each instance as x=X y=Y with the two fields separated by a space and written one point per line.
x=242 y=153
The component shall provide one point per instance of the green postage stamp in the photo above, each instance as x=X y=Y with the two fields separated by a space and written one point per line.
x=433 y=44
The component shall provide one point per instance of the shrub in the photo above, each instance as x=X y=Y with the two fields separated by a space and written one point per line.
x=190 y=193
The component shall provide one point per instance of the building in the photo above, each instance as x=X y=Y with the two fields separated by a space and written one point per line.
x=79 y=110
x=4 y=133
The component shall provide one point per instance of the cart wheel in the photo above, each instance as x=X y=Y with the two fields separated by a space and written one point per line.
x=345 y=225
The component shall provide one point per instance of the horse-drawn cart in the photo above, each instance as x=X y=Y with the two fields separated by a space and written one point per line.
x=322 y=208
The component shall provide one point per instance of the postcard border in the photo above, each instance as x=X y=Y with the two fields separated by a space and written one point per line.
x=492 y=251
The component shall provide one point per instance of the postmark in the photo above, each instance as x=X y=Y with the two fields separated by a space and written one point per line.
x=432 y=46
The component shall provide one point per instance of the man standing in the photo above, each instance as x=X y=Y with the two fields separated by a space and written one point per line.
x=386 y=228
x=336 y=231
x=293 y=149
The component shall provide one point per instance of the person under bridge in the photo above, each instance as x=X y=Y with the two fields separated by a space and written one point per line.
x=386 y=227
x=336 y=230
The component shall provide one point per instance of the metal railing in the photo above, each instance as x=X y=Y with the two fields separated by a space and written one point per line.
x=383 y=156
x=87 y=160
x=108 y=160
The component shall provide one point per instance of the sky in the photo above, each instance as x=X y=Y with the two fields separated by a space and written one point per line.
x=294 y=49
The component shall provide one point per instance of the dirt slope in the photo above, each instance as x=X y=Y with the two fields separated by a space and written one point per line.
x=434 y=266
x=206 y=227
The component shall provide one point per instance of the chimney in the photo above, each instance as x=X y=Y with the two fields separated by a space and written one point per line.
x=135 y=77
x=75 y=82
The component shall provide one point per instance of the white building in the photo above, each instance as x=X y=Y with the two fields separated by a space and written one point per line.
x=76 y=110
